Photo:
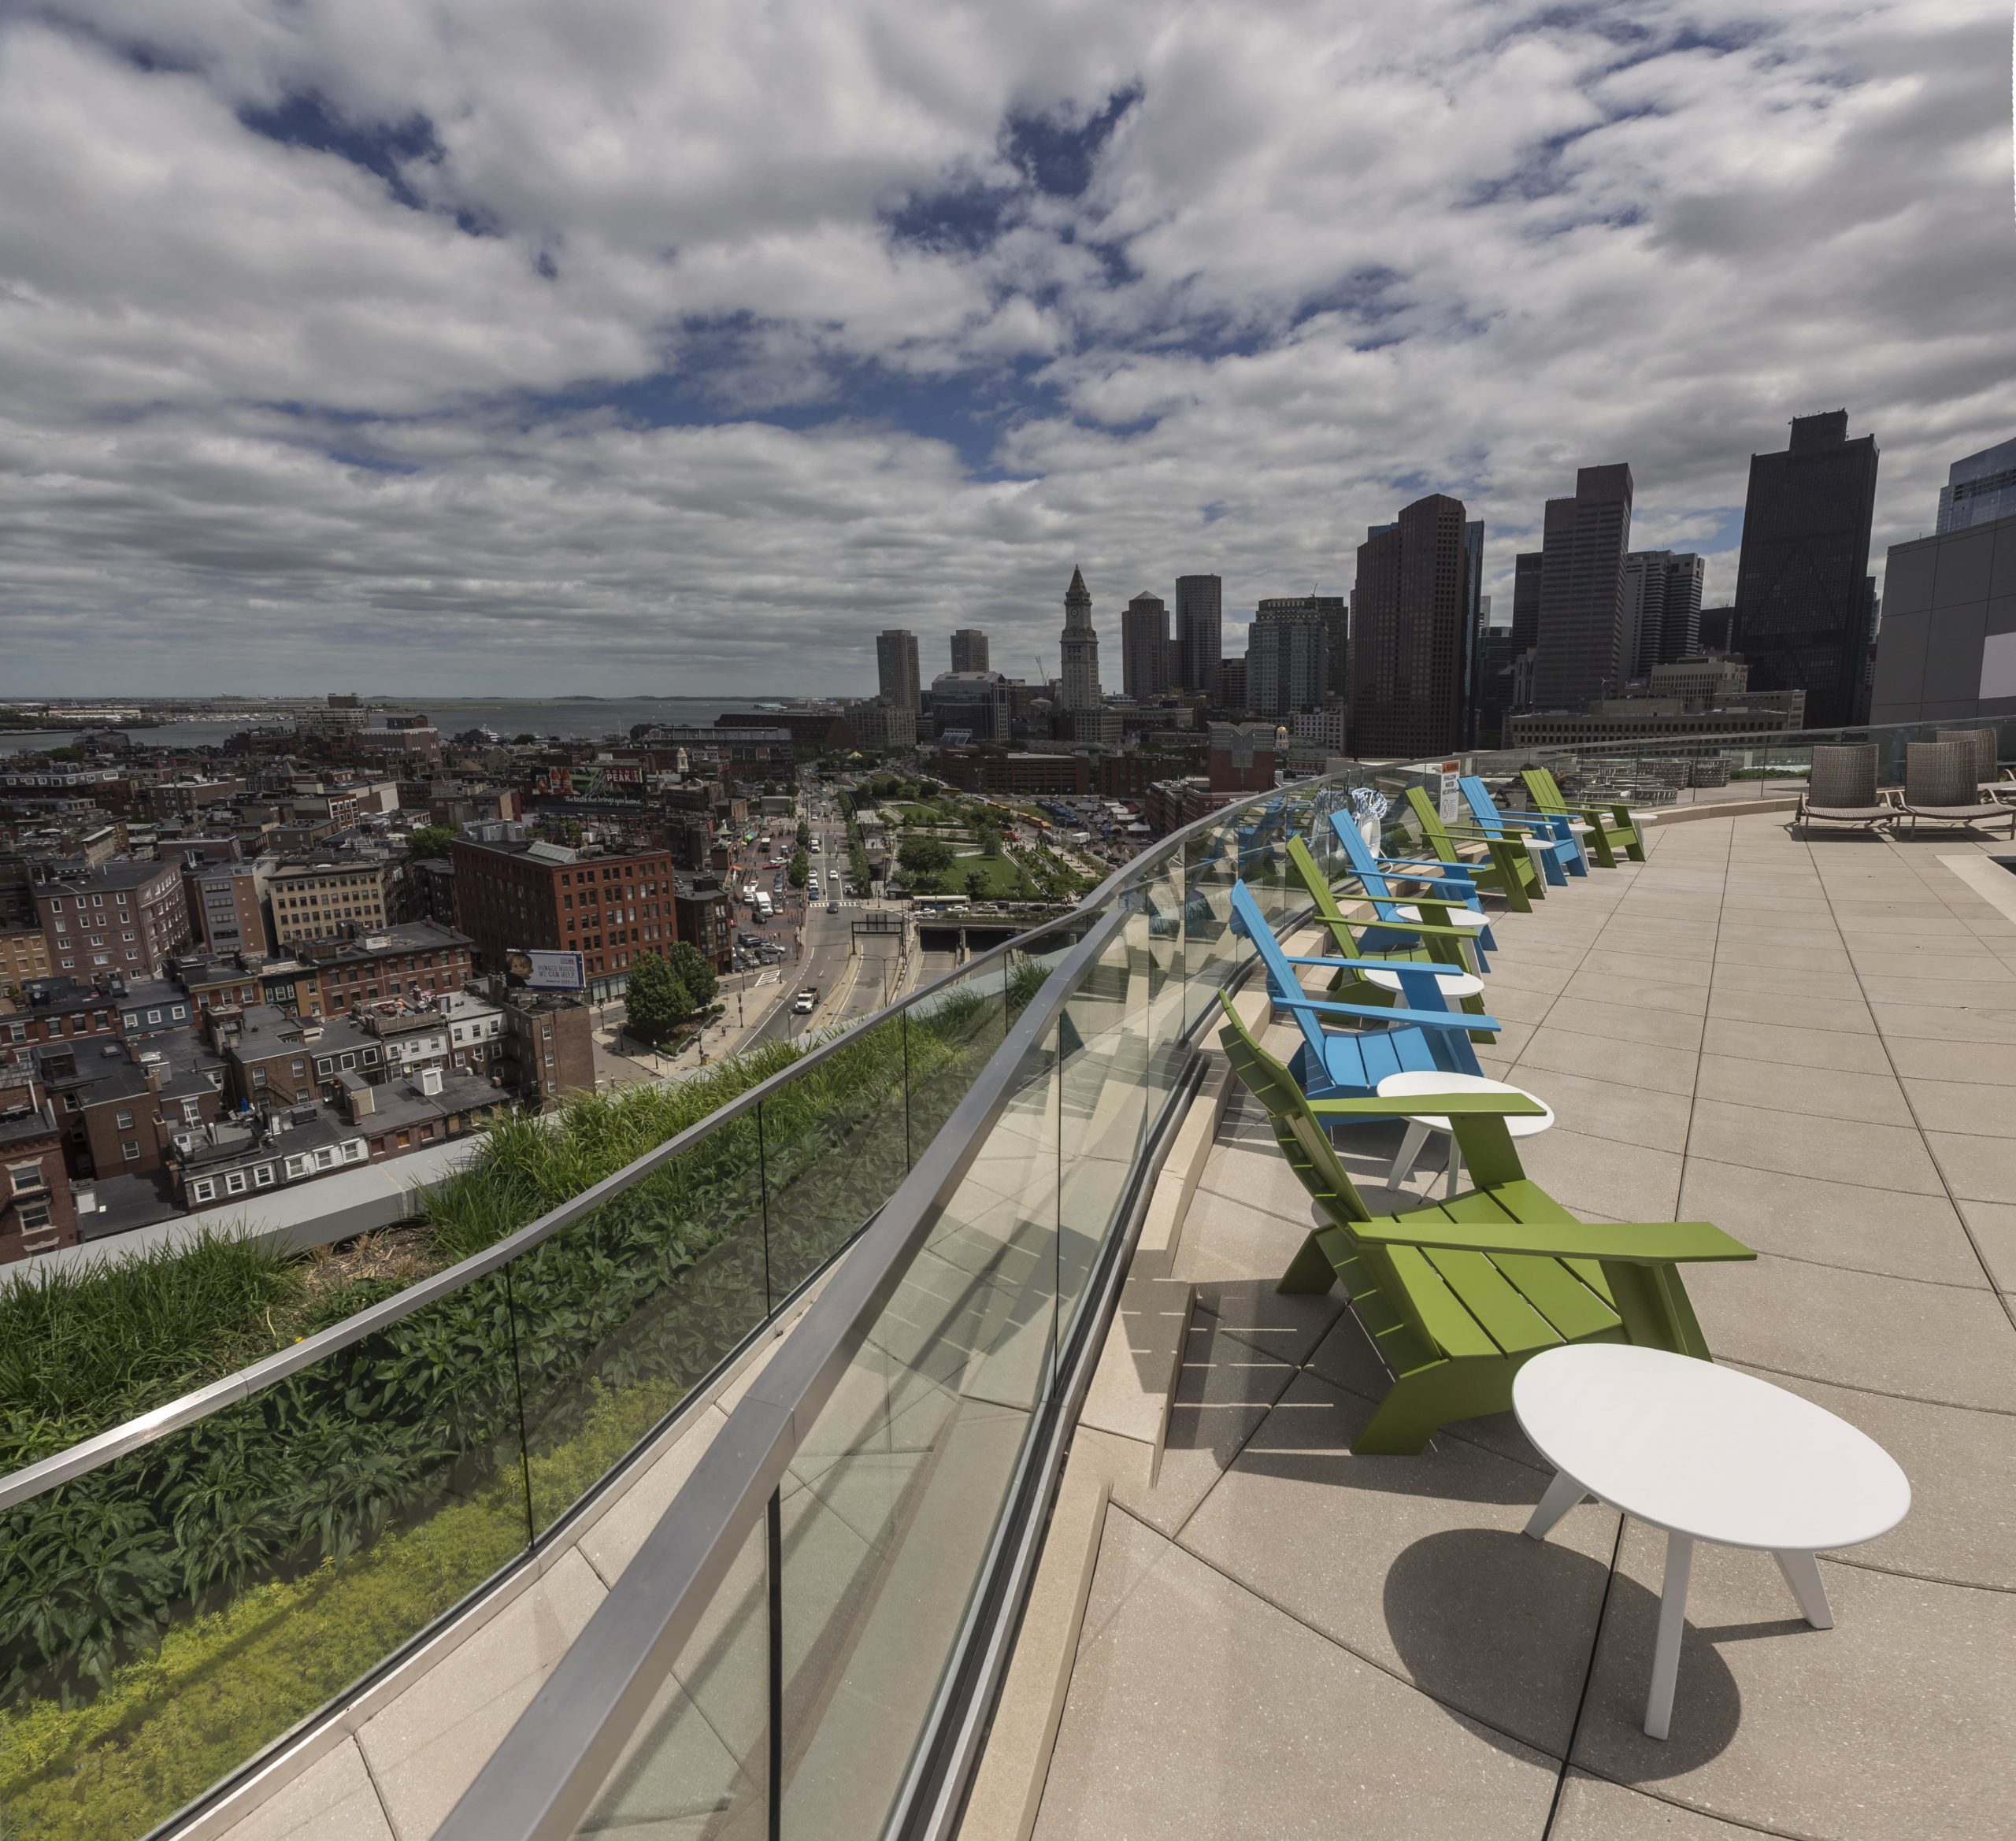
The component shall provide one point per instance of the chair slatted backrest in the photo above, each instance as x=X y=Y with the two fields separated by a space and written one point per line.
x=1940 y=773
x=1316 y=885
x=1428 y=817
x=1364 y=862
x=1361 y=1057
x=1843 y=778
x=1981 y=741
x=1542 y=790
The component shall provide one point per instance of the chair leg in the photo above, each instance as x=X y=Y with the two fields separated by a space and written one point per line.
x=1310 y=1271
x=1411 y=1141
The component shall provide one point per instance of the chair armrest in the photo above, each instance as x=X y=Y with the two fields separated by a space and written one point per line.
x=1374 y=964
x=1627 y=1243
x=1442 y=1105
x=1424 y=863
x=1378 y=1013
x=1376 y=925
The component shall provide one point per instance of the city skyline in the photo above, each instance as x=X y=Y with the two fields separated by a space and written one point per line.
x=322 y=340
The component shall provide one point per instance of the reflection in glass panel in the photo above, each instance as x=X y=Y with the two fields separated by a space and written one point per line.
x=164 y=1618
x=951 y=1034
x=620 y=1314
x=835 y=1149
x=1161 y=907
x=697 y=1765
x=893 y=1498
x=1211 y=949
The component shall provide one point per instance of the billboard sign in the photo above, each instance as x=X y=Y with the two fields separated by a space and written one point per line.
x=547 y=971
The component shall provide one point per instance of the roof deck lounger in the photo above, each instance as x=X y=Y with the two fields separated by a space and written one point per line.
x=1507 y=866
x=1549 y=836
x=1452 y=899
x=1939 y=785
x=1421 y=1035
x=1989 y=776
x=1842 y=789
x=1610 y=825
x=1456 y=1296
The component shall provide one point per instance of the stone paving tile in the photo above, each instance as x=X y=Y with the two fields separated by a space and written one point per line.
x=1940 y=1343
x=333 y=1800
x=1607 y=1109
x=1940 y=994
x=1593 y=1808
x=1962 y=1527
x=1633 y=1064
x=1876 y=1730
x=1850 y=1051
x=1993 y=1226
x=1929 y=1058
x=1997 y=1025
x=1413 y=1563
x=1199 y=1710
x=1829 y=1093
x=1875 y=1157
x=1786 y=981
x=1976 y=1168
x=1630 y=1182
x=1882 y=1231
x=1685 y=1000
x=1841 y=1015
x=1611 y=1023
x=1650 y=967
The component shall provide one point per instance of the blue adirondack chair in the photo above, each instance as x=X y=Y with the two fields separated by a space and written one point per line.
x=1563 y=855
x=1453 y=899
x=1425 y=1036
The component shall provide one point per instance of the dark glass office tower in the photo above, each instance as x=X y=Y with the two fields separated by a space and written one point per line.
x=1582 y=551
x=1526 y=601
x=1200 y=632
x=1411 y=624
x=1801 y=604
x=1144 y=647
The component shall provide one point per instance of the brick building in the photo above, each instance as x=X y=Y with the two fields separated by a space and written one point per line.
x=978 y=769
x=124 y=916
x=549 y=1044
x=1242 y=757
x=707 y=918
x=517 y=897
x=38 y=1211
x=23 y=955
x=226 y=906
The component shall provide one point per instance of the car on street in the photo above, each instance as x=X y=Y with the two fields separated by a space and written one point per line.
x=803 y=1003
x=832 y=907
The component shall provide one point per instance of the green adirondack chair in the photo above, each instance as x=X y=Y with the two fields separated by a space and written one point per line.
x=1372 y=938
x=1456 y=1295
x=1609 y=825
x=1507 y=866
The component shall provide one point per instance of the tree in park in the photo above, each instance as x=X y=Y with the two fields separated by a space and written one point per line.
x=689 y=965
x=975 y=883
x=804 y=834
x=801 y=869
x=656 y=1001
x=925 y=856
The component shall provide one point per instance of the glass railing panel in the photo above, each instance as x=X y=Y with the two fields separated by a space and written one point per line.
x=618 y=1315
x=896 y=1495
x=1161 y=912
x=166 y=1617
x=699 y=1764
x=950 y=1035
x=836 y=1145
x=1103 y=1093
x=1212 y=952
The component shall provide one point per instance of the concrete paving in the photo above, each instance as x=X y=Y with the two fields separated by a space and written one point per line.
x=1812 y=1043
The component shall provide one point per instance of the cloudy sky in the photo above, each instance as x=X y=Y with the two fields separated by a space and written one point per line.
x=538 y=346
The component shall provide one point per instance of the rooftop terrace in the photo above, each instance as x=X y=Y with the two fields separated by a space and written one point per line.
x=1813 y=1045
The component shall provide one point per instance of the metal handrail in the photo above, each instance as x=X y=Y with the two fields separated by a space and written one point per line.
x=541 y=1781
x=102 y=1448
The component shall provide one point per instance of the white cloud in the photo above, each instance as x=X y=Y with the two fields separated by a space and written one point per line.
x=265 y=409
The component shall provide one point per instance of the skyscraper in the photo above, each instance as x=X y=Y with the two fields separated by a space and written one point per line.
x=1144 y=647
x=1413 y=626
x=1079 y=685
x=1662 y=608
x=1582 y=548
x=895 y=668
x=1200 y=631
x=1288 y=653
x=1526 y=601
x=1979 y=489
x=1801 y=598
x=969 y=649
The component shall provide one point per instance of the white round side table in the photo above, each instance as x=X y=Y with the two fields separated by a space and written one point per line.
x=1706 y=1453
x=1404 y=1085
x=1470 y=919
x=1451 y=983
